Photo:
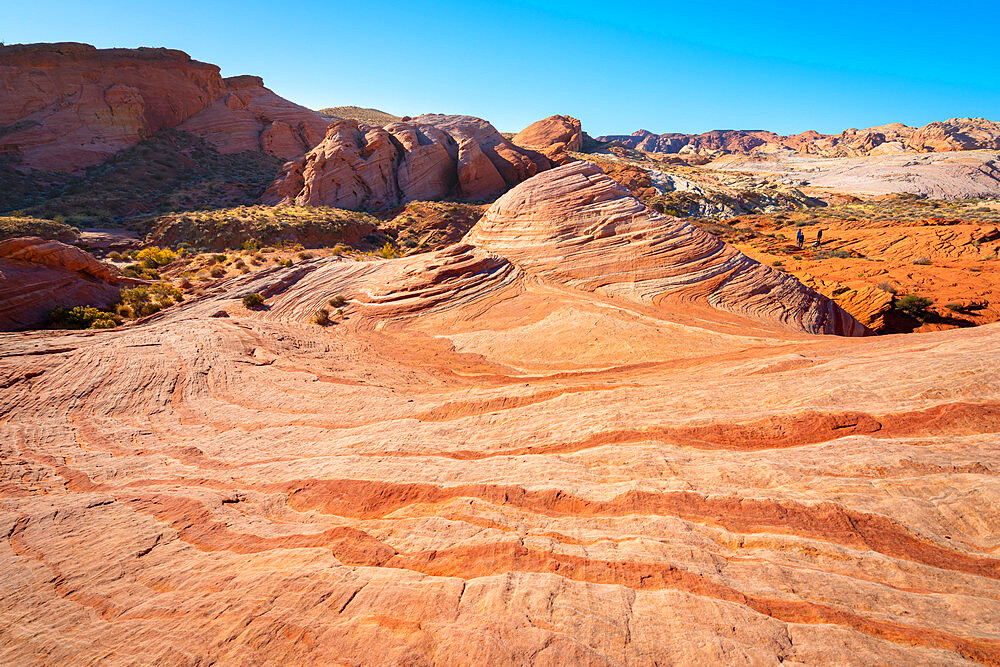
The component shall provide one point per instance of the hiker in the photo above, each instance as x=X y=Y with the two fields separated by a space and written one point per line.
x=819 y=239
x=800 y=237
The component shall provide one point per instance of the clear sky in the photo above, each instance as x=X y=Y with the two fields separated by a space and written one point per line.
x=617 y=65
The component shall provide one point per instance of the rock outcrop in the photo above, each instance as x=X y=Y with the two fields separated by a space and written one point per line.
x=553 y=137
x=574 y=226
x=67 y=106
x=956 y=134
x=424 y=158
x=38 y=275
x=481 y=464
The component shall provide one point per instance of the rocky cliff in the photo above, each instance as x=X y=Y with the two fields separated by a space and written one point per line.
x=424 y=158
x=67 y=106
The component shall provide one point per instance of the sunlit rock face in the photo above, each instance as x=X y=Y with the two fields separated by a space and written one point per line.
x=582 y=435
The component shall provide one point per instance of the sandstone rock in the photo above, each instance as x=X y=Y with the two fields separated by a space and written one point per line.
x=484 y=465
x=249 y=117
x=553 y=137
x=38 y=275
x=575 y=226
x=429 y=157
x=67 y=106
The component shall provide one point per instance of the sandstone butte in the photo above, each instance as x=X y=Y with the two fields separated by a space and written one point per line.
x=553 y=136
x=67 y=106
x=428 y=157
x=538 y=445
x=956 y=134
x=37 y=275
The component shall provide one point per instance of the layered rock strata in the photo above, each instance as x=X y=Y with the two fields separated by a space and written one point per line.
x=38 y=275
x=424 y=158
x=492 y=460
x=67 y=106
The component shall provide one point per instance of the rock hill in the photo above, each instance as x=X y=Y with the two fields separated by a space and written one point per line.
x=424 y=158
x=511 y=451
x=554 y=136
x=67 y=106
x=956 y=134
x=37 y=275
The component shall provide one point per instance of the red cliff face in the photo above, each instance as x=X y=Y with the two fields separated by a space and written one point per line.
x=424 y=158
x=67 y=106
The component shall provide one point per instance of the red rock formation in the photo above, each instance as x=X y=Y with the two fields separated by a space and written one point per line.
x=553 y=137
x=482 y=464
x=575 y=226
x=38 y=275
x=950 y=135
x=424 y=158
x=67 y=106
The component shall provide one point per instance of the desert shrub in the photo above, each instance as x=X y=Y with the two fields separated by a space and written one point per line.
x=154 y=257
x=955 y=307
x=251 y=245
x=778 y=263
x=253 y=300
x=322 y=317
x=217 y=272
x=219 y=258
x=305 y=255
x=886 y=286
x=386 y=251
x=82 y=317
x=338 y=301
x=913 y=305
x=922 y=261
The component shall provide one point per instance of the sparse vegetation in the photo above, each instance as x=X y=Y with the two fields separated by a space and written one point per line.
x=922 y=261
x=82 y=317
x=253 y=300
x=170 y=171
x=322 y=317
x=251 y=227
x=14 y=226
x=914 y=306
x=338 y=301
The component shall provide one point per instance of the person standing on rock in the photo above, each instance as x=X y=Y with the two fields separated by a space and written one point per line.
x=819 y=238
x=800 y=237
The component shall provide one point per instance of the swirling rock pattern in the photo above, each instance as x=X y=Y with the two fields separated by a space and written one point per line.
x=484 y=465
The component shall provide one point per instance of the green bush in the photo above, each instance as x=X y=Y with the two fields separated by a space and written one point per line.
x=913 y=306
x=82 y=317
x=337 y=301
x=253 y=300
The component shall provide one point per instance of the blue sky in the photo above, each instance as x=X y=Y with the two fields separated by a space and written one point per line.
x=618 y=66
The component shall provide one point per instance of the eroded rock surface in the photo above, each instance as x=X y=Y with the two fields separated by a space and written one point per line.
x=553 y=136
x=501 y=458
x=424 y=158
x=67 y=106
x=38 y=275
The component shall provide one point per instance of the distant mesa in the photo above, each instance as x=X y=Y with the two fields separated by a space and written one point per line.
x=956 y=134
x=67 y=106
